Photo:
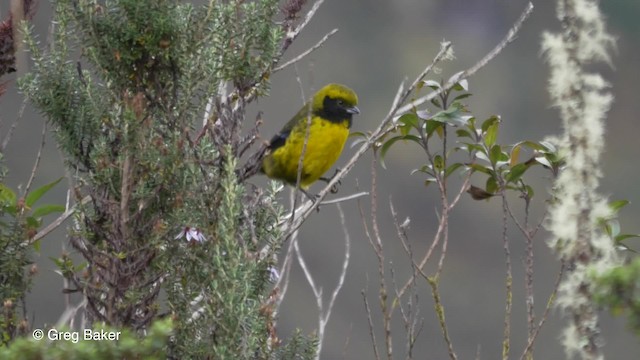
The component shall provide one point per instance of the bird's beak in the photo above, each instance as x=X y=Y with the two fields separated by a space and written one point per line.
x=353 y=110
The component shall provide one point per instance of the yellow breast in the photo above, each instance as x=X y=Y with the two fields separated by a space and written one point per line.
x=325 y=144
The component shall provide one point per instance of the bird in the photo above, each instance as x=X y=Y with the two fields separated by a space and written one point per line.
x=331 y=112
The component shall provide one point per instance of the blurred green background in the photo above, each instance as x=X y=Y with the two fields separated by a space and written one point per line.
x=379 y=43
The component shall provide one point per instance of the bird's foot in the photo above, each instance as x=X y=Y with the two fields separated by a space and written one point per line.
x=313 y=197
x=334 y=188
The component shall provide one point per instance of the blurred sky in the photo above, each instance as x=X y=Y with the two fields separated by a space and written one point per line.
x=379 y=44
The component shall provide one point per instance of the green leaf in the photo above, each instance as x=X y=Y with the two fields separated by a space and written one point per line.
x=43 y=210
x=81 y=266
x=432 y=84
x=515 y=154
x=473 y=147
x=7 y=196
x=387 y=145
x=58 y=261
x=616 y=205
x=516 y=172
x=423 y=169
x=451 y=169
x=429 y=181
x=544 y=161
x=482 y=155
x=462 y=85
x=462 y=96
x=432 y=125
x=480 y=168
x=623 y=237
x=492 y=185
x=438 y=162
x=33 y=223
x=494 y=153
x=489 y=122
x=407 y=122
x=455 y=115
x=530 y=144
x=549 y=147
x=463 y=133
x=529 y=191
x=613 y=228
x=491 y=134
x=36 y=194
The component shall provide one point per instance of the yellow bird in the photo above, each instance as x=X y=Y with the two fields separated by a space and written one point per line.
x=331 y=111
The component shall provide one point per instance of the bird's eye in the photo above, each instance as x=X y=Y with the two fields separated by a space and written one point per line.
x=340 y=102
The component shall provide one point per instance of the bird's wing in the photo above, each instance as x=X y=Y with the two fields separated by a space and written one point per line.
x=300 y=118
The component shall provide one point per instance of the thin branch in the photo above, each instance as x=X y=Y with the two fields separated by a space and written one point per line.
x=37 y=162
x=345 y=262
x=285 y=275
x=372 y=333
x=292 y=34
x=378 y=249
x=355 y=196
x=543 y=319
x=306 y=52
x=345 y=198
x=326 y=314
x=307 y=134
x=317 y=291
x=7 y=137
x=53 y=225
x=506 y=340
x=510 y=37
x=433 y=282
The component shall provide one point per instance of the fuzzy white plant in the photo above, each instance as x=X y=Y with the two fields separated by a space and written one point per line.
x=583 y=99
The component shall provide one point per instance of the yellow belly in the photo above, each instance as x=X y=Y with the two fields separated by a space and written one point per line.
x=325 y=144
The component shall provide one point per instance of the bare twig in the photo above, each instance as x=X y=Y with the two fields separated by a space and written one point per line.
x=306 y=52
x=304 y=147
x=529 y=233
x=53 y=225
x=506 y=340
x=285 y=275
x=543 y=319
x=511 y=35
x=372 y=333
x=343 y=274
x=7 y=137
x=433 y=282
x=436 y=237
x=345 y=198
x=37 y=162
x=325 y=314
x=376 y=243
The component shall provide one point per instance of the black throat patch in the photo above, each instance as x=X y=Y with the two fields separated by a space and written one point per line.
x=334 y=112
